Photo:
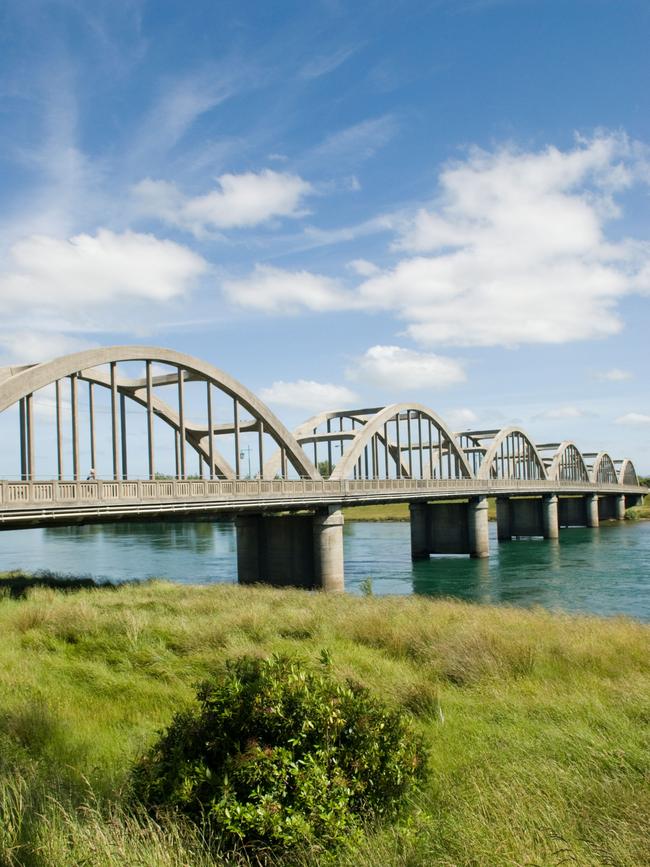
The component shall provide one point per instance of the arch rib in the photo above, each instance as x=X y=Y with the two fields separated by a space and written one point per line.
x=31 y=379
x=603 y=469
x=565 y=449
x=485 y=468
x=375 y=425
x=627 y=474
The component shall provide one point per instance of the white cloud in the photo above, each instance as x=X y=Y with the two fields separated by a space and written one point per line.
x=514 y=249
x=308 y=395
x=615 y=375
x=30 y=347
x=460 y=419
x=240 y=201
x=564 y=412
x=274 y=290
x=634 y=418
x=363 y=267
x=89 y=270
x=403 y=369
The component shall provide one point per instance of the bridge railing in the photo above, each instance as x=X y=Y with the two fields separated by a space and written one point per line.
x=15 y=495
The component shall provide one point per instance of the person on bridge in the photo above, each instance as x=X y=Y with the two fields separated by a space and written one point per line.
x=92 y=475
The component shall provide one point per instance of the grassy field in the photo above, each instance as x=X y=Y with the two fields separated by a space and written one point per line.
x=641 y=512
x=538 y=723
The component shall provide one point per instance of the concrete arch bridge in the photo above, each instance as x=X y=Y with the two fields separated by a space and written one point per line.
x=138 y=432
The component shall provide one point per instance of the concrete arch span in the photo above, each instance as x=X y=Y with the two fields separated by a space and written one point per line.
x=402 y=441
x=602 y=468
x=18 y=384
x=511 y=454
x=419 y=440
x=567 y=464
x=627 y=474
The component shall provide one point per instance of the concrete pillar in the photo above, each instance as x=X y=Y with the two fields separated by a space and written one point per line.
x=550 y=517
x=504 y=530
x=591 y=502
x=328 y=550
x=419 y=530
x=620 y=507
x=477 y=513
x=249 y=541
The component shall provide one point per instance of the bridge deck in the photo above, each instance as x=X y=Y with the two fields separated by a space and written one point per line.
x=42 y=503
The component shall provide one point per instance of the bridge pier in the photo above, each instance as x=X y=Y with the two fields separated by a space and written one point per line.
x=591 y=503
x=504 y=529
x=292 y=550
x=527 y=516
x=583 y=511
x=449 y=528
x=550 y=521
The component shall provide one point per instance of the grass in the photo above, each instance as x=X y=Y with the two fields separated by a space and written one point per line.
x=641 y=512
x=538 y=723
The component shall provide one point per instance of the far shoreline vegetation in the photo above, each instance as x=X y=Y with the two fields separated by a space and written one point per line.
x=536 y=723
x=400 y=511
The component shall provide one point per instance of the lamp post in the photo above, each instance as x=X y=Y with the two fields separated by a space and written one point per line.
x=242 y=455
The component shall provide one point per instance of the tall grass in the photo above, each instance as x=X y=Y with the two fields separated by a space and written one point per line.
x=538 y=723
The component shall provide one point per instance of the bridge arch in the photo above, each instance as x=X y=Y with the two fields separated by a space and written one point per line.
x=405 y=440
x=627 y=473
x=567 y=464
x=18 y=385
x=445 y=457
x=602 y=469
x=511 y=455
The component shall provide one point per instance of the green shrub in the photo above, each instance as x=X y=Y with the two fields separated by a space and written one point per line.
x=279 y=754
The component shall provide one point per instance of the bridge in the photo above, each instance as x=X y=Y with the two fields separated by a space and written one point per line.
x=133 y=416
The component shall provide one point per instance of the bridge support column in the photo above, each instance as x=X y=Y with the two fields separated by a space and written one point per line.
x=591 y=503
x=550 y=517
x=249 y=533
x=504 y=529
x=620 y=507
x=632 y=500
x=449 y=528
x=608 y=507
x=420 y=542
x=479 y=545
x=328 y=550
x=292 y=550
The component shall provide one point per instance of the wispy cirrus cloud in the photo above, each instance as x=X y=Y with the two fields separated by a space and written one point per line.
x=634 y=418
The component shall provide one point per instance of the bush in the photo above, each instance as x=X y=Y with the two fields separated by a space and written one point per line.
x=279 y=754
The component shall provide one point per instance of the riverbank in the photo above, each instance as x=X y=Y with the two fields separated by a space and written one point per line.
x=537 y=722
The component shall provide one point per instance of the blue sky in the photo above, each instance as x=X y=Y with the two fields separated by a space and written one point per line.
x=341 y=203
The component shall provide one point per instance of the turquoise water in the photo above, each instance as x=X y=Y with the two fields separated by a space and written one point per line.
x=604 y=571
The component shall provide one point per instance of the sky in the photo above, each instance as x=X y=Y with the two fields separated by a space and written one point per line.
x=341 y=204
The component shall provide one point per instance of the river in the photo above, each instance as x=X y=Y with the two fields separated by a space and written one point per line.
x=603 y=571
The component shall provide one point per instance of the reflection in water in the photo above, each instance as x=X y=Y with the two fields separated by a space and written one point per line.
x=604 y=571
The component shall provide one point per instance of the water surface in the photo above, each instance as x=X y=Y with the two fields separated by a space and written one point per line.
x=603 y=571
